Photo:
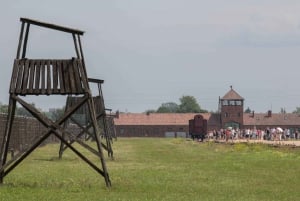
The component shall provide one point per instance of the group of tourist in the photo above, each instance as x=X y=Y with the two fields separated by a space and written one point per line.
x=255 y=134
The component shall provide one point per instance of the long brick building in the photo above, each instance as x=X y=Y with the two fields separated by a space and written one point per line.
x=230 y=113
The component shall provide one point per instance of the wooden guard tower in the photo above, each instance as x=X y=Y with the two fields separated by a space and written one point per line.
x=111 y=124
x=49 y=77
x=82 y=120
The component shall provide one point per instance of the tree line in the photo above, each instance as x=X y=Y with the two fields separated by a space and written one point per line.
x=52 y=114
x=188 y=104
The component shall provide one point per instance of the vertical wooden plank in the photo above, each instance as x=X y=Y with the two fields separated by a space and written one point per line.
x=61 y=77
x=20 y=40
x=31 y=77
x=43 y=76
x=71 y=76
x=37 y=77
x=82 y=67
x=14 y=76
x=25 y=77
x=76 y=47
x=83 y=76
x=97 y=139
x=7 y=135
x=77 y=76
x=55 y=76
x=82 y=56
x=66 y=76
x=48 y=77
x=97 y=104
x=20 y=77
x=25 y=41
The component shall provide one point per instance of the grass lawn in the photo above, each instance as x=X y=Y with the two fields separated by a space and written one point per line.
x=160 y=169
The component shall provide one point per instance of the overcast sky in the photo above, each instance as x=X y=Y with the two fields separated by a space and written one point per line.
x=153 y=52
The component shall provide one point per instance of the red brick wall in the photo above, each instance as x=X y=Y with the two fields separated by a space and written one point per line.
x=234 y=114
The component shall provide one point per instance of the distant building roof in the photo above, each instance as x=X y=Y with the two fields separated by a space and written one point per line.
x=213 y=120
x=154 y=119
x=278 y=119
x=232 y=95
x=163 y=118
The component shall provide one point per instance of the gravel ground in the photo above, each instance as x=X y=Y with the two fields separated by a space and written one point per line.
x=275 y=142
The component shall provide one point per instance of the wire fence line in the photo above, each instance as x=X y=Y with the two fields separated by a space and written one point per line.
x=24 y=132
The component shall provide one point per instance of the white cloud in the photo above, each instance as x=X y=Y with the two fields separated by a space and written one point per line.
x=268 y=25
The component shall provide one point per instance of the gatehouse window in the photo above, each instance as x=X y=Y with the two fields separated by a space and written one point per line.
x=225 y=102
x=232 y=102
x=238 y=102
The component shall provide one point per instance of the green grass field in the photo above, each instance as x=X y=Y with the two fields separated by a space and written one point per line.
x=161 y=169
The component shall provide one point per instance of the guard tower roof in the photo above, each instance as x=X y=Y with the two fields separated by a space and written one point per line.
x=232 y=95
x=52 y=26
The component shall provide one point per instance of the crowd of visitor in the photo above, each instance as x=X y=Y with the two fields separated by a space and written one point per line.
x=255 y=134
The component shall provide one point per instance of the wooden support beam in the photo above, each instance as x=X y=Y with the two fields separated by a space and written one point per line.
x=52 y=26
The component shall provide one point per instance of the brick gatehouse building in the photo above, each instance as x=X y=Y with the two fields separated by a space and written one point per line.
x=230 y=113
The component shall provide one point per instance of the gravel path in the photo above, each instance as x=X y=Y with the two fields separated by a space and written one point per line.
x=275 y=142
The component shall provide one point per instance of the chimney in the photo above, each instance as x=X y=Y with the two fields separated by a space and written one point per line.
x=253 y=113
x=269 y=113
x=117 y=114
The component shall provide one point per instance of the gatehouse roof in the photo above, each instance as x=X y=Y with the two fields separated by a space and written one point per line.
x=232 y=95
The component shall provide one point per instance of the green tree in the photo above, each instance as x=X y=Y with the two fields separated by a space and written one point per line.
x=297 y=111
x=169 y=107
x=21 y=111
x=55 y=113
x=3 y=108
x=248 y=110
x=189 y=104
x=150 y=111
